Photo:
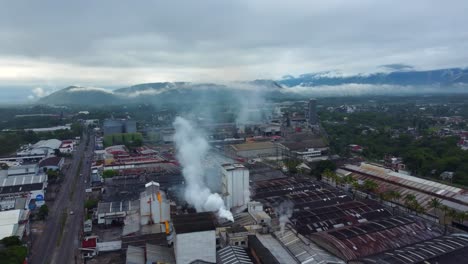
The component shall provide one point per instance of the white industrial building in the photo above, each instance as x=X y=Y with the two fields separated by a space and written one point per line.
x=31 y=187
x=116 y=211
x=154 y=207
x=14 y=223
x=235 y=186
x=43 y=147
x=195 y=238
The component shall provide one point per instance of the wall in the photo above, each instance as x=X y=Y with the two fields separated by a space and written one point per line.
x=197 y=245
x=236 y=184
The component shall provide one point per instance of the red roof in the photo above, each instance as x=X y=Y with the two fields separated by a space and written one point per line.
x=52 y=161
x=89 y=243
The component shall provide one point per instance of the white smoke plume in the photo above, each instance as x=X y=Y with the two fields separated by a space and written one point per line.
x=284 y=212
x=192 y=147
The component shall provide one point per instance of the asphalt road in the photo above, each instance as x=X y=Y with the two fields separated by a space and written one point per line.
x=57 y=244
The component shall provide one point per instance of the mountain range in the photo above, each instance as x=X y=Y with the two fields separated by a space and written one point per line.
x=305 y=85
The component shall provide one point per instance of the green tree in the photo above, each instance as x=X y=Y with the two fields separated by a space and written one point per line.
x=11 y=241
x=90 y=204
x=370 y=186
x=43 y=212
x=109 y=173
x=434 y=204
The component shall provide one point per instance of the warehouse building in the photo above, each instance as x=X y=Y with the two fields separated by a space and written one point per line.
x=253 y=150
x=445 y=249
x=119 y=126
x=423 y=190
x=195 y=238
x=43 y=147
x=14 y=223
x=369 y=238
x=109 y=212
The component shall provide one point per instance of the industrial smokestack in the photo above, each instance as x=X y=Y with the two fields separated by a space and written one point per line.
x=192 y=147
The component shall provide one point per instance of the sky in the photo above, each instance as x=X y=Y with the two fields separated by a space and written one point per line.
x=54 y=44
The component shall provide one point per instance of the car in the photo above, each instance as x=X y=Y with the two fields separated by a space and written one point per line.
x=71 y=212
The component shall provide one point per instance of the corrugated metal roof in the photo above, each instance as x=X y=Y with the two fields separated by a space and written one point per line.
x=23 y=180
x=373 y=237
x=233 y=255
x=276 y=249
x=135 y=255
x=420 y=252
x=303 y=250
x=159 y=254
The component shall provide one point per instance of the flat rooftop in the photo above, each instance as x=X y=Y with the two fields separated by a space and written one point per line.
x=197 y=222
x=253 y=146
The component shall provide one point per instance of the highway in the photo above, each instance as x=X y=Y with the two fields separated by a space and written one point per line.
x=60 y=239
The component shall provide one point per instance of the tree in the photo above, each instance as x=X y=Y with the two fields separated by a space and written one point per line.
x=292 y=164
x=434 y=204
x=445 y=209
x=91 y=203
x=43 y=212
x=331 y=176
x=324 y=165
x=4 y=166
x=52 y=175
x=109 y=173
x=11 y=241
x=370 y=186
x=410 y=200
x=461 y=217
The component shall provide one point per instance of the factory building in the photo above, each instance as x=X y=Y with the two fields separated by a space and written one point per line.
x=253 y=150
x=110 y=212
x=312 y=116
x=14 y=223
x=43 y=147
x=51 y=163
x=116 y=126
x=195 y=238
x=154 y=207
x=235 y=186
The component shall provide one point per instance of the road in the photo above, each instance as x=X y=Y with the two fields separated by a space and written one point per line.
x=60 y=239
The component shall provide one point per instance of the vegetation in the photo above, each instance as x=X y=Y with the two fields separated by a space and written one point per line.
x=291 y=165
x=91 y=203
x=13 y=252
x=43 y=212
x=424 y=151
x=127 y=139
x=321 y=167
x=10 y=141
x=109 y=173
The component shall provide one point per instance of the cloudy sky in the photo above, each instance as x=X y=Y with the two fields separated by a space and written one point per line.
x=53 y=44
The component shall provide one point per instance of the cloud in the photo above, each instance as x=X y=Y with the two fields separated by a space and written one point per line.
x=38 y=92
x=222 y=40
x=397 y=67
x=90 y=89
x=356 y=89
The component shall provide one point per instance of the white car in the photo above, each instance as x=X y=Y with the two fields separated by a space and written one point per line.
x=71 y=212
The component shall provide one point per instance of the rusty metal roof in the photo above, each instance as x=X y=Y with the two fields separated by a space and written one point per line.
x=440 y=250
x=358 y=241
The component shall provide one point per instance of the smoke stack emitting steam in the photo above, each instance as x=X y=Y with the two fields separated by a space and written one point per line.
x=192 y=147
x=284 y=212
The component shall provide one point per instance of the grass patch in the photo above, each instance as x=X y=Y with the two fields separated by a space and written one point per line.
x=63 y=220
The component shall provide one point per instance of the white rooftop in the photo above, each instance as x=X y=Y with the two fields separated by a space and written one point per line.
x=9 y=222
x=50 y=143
x=22 y=180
